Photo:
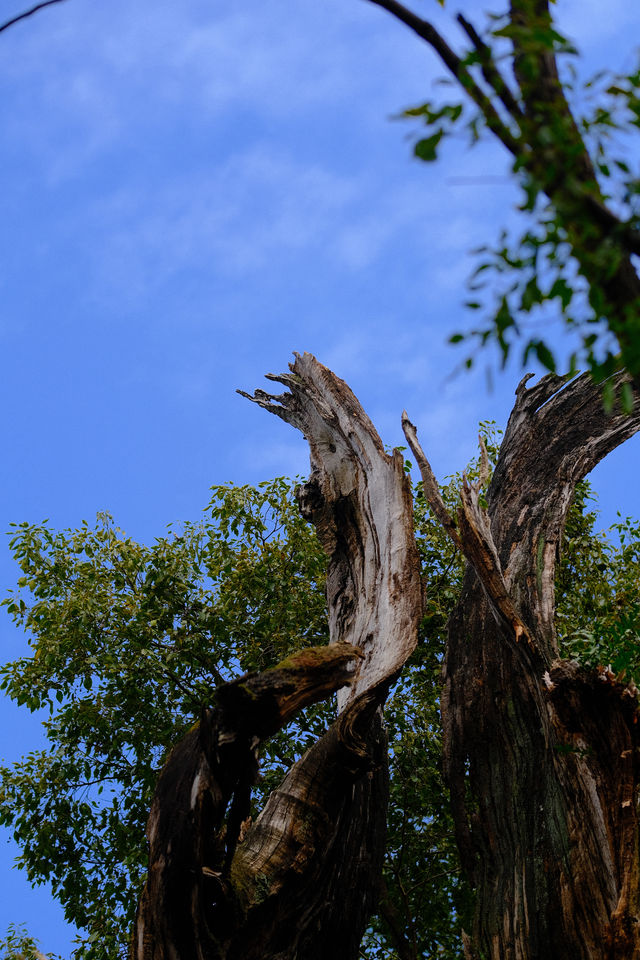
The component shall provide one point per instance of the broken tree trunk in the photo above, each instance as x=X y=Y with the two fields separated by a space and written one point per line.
x=541 y=755
x=303 y=880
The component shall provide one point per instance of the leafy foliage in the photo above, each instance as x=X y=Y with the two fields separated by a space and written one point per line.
x=18 y=945
x=128 y=642
x=598 y=611
x=573 y=153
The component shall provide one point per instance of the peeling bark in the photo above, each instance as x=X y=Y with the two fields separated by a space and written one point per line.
x=541 y=755
x=303 y=880
x=188 y=904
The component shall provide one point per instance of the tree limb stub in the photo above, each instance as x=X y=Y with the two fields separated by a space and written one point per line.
x=359 y=499
x=311 y=860
x=557 y=433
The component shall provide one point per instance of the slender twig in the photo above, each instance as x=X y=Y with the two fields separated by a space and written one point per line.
x=490 y=71
x=430 y=484
x=453 y=62
x=27 y=13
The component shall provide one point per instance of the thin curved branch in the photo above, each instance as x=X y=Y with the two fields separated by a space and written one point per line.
x=453 y=62
x=27 y=13
x=490 y=71
x=472 y=535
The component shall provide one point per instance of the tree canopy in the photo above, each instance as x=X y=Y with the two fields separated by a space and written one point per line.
x=127 y=642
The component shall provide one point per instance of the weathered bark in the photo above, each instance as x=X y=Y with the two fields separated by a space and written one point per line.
x=302 y=881
x=187 y=906
x=541 y=755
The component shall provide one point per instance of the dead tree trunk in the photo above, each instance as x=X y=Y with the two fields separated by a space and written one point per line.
x=303 y=880
x=541 y=755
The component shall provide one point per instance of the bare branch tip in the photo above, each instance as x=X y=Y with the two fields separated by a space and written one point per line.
x=523 y=383
x=27 y=13
x=407 y=424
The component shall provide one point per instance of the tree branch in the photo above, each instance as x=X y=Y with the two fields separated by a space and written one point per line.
x=360 y=502
x=551 y=149
x=536 y=70
x=453 y=62
x=533 y=750
x=28 y=13
x=472 y=535
x=312 y=859
x=489 y=70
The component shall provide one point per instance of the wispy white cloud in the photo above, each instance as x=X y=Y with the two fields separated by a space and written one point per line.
x=241 y=216
x=278 y=57
x=271 y=457
x=264 y=209
x=96 y=65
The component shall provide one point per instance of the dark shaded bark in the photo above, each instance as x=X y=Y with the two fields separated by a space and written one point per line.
x=188 y=906
x=303 y=880
x=307 y=871
x=541 y=755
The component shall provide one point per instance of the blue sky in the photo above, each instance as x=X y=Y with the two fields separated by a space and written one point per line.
x=191 y=192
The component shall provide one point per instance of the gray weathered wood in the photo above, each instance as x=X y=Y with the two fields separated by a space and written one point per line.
x=302 y=881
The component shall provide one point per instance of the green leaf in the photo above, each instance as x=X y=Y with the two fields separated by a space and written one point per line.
x=542 y=352
x=427 y=149
x=608 y=396
x=531 y=295
x=545 y=356
x=560 y=288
